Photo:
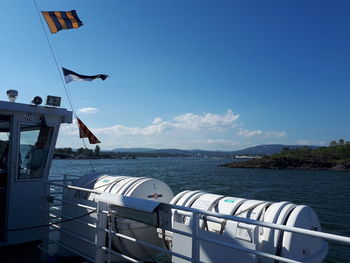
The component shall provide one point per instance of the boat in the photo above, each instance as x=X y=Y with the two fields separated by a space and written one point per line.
x=112 y=218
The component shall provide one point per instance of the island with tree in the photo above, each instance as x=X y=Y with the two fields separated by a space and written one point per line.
x=81 y=153
x=97 y=153
x=334 y=157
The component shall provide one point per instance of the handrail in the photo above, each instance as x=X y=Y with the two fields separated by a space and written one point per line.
x=328 y=236
x=197 y=215
x=298 y=230
x=83 y=189
x=61 y=215
x=146 y=244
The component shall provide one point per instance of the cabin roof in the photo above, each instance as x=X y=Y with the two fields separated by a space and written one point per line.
x=66 y=116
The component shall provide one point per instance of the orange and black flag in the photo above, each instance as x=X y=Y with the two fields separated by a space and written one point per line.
x=58 y=20
x=84 y=132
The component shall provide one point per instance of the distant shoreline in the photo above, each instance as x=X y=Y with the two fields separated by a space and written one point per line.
x=289 y=163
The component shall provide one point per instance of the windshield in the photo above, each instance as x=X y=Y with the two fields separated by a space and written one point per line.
x=34 y=148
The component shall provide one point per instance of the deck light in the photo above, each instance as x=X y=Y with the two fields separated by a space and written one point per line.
x=12 y=95
x=53 y=101
x=37 y=100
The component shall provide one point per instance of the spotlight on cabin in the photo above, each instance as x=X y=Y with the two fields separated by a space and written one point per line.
x=12 y=95
x=53 y=101
x=37 y=100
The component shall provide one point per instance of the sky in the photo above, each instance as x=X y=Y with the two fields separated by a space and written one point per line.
x=188 y=74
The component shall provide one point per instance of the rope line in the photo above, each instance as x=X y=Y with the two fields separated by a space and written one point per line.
x=53 y=55
x=59 y=72
x=50 y=224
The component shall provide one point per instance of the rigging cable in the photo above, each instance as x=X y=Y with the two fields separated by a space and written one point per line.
x=50 y=224
x=59 y=71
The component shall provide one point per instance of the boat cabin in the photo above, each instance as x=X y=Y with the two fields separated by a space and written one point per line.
x=28 y=134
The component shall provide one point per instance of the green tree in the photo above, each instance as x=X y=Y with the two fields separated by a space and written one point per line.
x=89 y=152
x=333 y=143
x=285 y=149
x=80 y=151
x=97 y=150
x=68 y=150
x=341 y=141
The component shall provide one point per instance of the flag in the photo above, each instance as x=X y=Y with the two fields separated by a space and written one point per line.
x=58 y=20
x=84 y=132
x=71 y=76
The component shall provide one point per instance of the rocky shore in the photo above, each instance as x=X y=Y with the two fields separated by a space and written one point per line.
x=293 y=163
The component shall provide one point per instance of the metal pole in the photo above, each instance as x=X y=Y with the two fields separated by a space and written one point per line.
x=109 y=233
x=100 y=233
x=195 y=240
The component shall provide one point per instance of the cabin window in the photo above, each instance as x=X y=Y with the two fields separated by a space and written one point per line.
x=34 y=149
x=5 y=124
x=4 y=144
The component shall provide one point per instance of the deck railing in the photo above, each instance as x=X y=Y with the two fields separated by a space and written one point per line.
x=104 y=208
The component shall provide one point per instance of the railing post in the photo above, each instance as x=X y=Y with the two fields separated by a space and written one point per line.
x=195 y=239
x=100 y=232
x=109 y=233
x=46 y=220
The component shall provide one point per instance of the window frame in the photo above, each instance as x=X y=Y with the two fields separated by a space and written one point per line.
x=10 y=141
x=18 y=150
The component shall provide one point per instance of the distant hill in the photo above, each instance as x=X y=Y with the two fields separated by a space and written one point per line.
x=269 y=149
x=134 y=150
x=334 y=157
x=255 y=150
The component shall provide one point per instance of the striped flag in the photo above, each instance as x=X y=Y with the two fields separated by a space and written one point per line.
x=58 y=20
x=70 y=75
x=84 y=132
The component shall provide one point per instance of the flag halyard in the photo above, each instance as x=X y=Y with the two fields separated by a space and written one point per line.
x=59 y=20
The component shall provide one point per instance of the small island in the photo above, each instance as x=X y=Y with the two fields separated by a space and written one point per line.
x=334 y=157
x=125 y=154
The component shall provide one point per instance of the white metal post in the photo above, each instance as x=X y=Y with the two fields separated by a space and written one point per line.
x=109 y=233
x=46 y=220
x=195 y=240
x=100 y=232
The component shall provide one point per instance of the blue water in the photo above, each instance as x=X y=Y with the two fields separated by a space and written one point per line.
x=328 y=192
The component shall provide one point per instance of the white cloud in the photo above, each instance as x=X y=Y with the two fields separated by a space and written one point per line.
x=207 y=121
x=308 y=142
x=150 y=130
x=185 y=131
x=248 y=134
x=157 y=120
x=303 y=142
x=88 y=110
x=222 y=142
x=185 y=122
x=69 y=129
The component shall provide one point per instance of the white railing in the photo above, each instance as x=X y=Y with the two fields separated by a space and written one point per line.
x=105 y=209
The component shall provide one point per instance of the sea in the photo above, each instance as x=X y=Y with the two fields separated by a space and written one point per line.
x=327 y=192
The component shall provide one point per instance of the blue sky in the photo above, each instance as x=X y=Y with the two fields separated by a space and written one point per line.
x=219 y=75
